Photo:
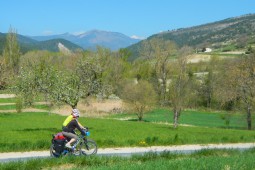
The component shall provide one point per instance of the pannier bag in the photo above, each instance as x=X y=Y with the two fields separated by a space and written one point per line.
x=59 y=141
x=59 y=136
x=59 y=145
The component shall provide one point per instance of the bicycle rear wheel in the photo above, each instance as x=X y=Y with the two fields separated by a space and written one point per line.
x=89 y=147
x=53 y=152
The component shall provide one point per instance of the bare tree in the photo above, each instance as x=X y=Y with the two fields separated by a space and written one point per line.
x=161 y=52
x=178 y=88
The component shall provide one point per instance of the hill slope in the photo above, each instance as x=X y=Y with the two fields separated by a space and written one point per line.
x=27 y=44
x=215 y=35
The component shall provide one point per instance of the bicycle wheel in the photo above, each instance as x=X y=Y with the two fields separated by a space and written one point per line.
x=53 y=152
x=89 y=147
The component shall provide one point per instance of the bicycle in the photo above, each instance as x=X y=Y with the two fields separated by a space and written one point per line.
x=83 y=146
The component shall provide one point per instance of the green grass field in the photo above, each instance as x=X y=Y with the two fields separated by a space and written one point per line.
x=7 y=100
x=8 y=107
x=190 y=117
x=33 y=131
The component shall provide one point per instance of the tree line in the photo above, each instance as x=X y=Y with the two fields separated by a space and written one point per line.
x=161 y=76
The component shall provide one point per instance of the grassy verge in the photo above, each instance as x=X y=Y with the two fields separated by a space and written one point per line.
x=33 y=131
x=205 y=159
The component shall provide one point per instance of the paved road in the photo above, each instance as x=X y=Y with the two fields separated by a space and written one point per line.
x=14 y=156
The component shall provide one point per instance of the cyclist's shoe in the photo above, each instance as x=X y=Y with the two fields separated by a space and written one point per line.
x=68 y=146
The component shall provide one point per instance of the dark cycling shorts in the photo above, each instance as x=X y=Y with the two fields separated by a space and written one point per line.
x=70 y=135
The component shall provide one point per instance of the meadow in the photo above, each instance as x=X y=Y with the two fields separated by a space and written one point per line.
x=29 y=131
x=33 y=131
x=190 y=118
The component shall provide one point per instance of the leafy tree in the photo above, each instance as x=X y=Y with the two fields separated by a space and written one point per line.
x=140 y=96
x=60 y=86
x=237 y=84
x=11 y=52
x=143 y=69
x=3 y=74
x=209 y=82
x=114 y=67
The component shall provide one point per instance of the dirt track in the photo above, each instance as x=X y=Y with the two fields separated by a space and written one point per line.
x=88 y=108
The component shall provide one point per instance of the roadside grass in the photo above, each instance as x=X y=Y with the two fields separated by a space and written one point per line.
x=205 y=159
x=190 y=117
x=33 y=131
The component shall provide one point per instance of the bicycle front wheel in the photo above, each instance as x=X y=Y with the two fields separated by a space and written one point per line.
x=89 y=147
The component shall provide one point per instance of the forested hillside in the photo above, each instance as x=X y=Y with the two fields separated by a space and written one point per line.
x=227 y=34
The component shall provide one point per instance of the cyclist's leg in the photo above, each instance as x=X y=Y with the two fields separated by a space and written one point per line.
x=72 y=136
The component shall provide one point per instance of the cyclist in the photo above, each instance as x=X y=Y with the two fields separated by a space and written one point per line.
x=69 y=125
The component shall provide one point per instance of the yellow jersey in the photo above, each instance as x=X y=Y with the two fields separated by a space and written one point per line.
x=68 y=119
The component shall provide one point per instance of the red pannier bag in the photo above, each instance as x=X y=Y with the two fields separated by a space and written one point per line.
x=59 y=136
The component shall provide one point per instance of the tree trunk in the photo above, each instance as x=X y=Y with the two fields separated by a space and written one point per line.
x=164 y=89
x=249 y=117
x=209 y=100
x=176 y=116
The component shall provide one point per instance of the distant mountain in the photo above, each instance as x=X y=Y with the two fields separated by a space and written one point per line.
x=218 y=34
x=94 y=38
x=27 y=44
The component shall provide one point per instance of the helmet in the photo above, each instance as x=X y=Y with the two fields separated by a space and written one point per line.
x=75 y=112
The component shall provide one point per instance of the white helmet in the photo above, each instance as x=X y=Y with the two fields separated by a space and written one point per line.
x=76 y=112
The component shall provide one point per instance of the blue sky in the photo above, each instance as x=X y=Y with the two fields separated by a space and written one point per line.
x=140 y=18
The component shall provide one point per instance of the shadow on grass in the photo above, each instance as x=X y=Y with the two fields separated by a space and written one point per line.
x=136 y=120
x=233 y=127
x=40 y=129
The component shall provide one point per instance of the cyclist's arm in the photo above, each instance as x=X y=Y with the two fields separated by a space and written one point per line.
x=81 y=125
x=79 y=128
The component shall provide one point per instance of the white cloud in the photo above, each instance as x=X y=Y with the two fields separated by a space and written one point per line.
x=137 y=37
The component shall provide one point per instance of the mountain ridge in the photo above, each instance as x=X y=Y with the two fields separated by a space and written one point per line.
x=93 y=38
x=218 y=34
